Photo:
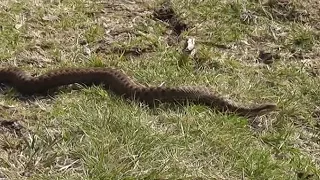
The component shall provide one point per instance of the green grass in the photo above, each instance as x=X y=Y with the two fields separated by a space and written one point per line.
x=88 y=133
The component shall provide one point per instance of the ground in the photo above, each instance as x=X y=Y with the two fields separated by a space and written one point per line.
x=251 y=51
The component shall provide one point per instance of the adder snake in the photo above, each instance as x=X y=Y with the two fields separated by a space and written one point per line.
x=120 y=84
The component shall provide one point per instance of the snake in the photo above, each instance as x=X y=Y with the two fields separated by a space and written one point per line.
x=122 y=85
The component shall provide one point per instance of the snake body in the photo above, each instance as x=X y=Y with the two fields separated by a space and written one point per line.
x=122 y=85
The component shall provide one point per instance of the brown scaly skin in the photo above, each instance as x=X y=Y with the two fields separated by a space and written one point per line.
x=120 y=84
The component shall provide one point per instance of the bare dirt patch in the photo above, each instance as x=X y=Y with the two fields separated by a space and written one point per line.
x=167 y=14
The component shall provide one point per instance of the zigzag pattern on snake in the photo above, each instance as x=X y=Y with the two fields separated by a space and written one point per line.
x=120 y=84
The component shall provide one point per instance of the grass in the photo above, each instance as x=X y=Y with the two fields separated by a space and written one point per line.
x=89 y=133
